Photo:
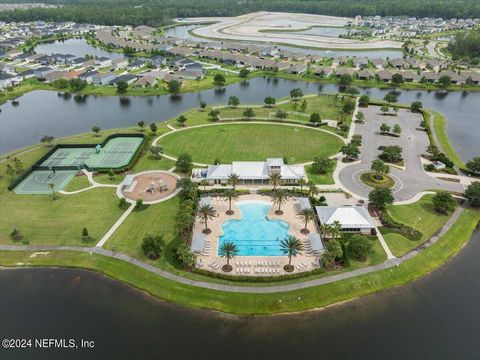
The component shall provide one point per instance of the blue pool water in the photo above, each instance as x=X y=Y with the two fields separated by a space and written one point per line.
x=255 y=234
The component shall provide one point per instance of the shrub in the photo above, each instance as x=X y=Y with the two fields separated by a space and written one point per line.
x=359 y=247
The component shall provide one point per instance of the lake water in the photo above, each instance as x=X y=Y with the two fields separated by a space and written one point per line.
x=77 y=47
x=45 y=112
x=434 y=318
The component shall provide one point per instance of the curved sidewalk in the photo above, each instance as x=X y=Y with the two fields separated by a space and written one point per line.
x=245 y=289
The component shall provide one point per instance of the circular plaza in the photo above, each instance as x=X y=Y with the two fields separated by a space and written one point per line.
x=150 y=186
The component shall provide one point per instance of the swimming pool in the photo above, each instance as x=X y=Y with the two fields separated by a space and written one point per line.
x=255 y=234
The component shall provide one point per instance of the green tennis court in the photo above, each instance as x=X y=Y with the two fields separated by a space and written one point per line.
x=37 y=182
x=116 y=153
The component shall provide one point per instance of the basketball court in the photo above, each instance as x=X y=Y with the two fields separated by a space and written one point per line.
x=37 y=182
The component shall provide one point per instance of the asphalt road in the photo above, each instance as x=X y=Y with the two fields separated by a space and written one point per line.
x=408 y=182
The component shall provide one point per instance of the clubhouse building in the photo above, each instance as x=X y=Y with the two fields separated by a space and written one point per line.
x=353 y=219
x=250 y=172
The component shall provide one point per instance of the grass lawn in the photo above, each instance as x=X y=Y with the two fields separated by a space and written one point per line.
x=431 y=221
x=440 y=131
x=237 y=142
x=44 y=221
x=326 y=106
x=155 y=219
x=77 y=183
x=248 y=304
x=321 y=179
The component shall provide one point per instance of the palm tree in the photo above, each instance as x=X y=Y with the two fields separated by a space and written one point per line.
x=234 y=180
x=228 y=250
x=336 y=229
x=206 y=212
x=279 y=198
x=230 y=194
x=302 y=183
x=52 y=187
x=307 y=214
x=275 y=179
x=325 y=229
x=312 y=189
x=291 y=246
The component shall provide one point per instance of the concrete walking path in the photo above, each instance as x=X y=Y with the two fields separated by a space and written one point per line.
x=115 y=226
x=389 y=263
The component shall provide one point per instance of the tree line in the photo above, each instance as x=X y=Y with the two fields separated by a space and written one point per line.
x=161 y=12
x=466 y=46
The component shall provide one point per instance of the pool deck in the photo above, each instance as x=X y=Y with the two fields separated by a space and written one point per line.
x=245 y=265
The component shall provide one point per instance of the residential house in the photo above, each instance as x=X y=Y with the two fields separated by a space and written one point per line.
x=339 y=72
x=473 y=76
x=250 y=172
x=27 y=74
x=136 y=65
x=379 y=64
x=128 y=78
x=454 y=76
x=157 y=61
x=145 y=81
x=360 y=62
x=6 y=80
x=353 y=219
x=55 y=75
x=103 y=62
x=7 y=68
x=41 y=72
x=103 y=78
x=409 y=76
x=365 y=74
x=296 y=69
x=429 y=76
x=399 y=63
x=322 y=71
x=88 y=76
x=339 y=60
x=120 y=63
x=79 y=61
x=384 y=75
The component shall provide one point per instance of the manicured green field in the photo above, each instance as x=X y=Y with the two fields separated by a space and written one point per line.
x=431 y=221
x=237 y=142
x=156 y=219
x=329 y=107
x=59 y=222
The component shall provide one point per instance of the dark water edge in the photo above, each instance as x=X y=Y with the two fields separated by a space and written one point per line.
x=44 y=112
x=435 y=317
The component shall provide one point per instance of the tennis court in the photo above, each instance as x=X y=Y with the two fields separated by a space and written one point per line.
x=37 y=182
x=116 y=153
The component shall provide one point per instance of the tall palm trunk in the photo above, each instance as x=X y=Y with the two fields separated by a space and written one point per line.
x=206 y=224
x=290 y=260
x=228 y=260
x=230 y=204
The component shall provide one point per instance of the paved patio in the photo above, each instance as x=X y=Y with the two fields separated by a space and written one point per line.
x=250 y=265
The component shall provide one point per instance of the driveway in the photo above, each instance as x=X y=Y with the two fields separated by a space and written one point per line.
x=414 y=142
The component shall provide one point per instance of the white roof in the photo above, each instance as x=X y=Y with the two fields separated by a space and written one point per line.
x=347 y=216
x=248 y=170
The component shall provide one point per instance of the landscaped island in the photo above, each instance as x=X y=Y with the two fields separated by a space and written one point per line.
x=236 y=208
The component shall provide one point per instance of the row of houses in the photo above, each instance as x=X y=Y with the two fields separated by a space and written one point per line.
x=386 y=76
